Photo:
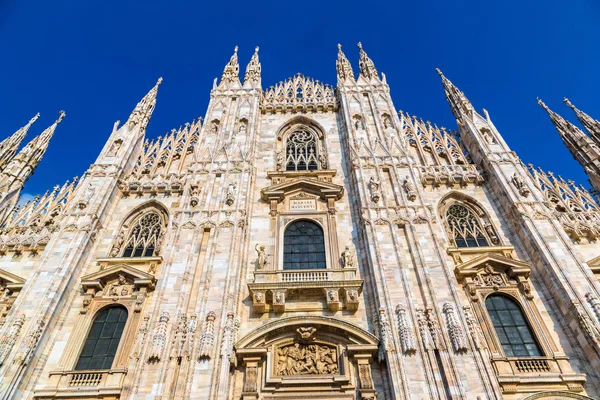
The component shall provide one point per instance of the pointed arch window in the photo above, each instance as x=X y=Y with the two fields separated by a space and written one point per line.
x=512 y=329
x=103 y=339
x=301 y=151
x=465 y=227
x=144 y=236
x=303 y=246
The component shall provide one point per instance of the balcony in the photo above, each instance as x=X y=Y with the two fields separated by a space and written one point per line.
x=305 y=290
x=83 y=384
x=522 y=374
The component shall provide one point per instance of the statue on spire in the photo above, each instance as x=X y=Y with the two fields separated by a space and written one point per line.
x=343 y=66
x=143 y=111
x=591 y=125
x=232 y=69
x=252 y=75
x=367 y=67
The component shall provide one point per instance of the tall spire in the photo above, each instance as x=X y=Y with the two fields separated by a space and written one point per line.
x=457 y=99
x=343 y=66
x=367 y=67
x=232 y=69
x=582 y=148
x=571 y=135
x=10 y=145
x=591 y=125
x=143 y=111
x=252 y=75
x=33 y=152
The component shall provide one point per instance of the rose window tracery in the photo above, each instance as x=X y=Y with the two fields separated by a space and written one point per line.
x=301 y=152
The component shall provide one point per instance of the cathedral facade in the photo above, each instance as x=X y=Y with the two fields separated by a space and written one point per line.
x=302 y=242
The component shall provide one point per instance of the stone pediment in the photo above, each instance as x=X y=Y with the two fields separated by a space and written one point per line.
x=492 y=263
x=11 y=281
x=98 y=280
x=324 y=190
x=594 y=265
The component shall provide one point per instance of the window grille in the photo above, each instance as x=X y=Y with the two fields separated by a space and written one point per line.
x=303 y=246
x=512 y=329
x=103 y=339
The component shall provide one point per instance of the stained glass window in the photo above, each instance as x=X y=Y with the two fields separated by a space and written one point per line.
x=304 y=246
x=512 y=329
x=103 y=339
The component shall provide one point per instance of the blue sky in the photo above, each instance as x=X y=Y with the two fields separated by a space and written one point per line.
x=96 y=59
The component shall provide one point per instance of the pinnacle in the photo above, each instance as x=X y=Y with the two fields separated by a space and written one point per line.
x=61 y=116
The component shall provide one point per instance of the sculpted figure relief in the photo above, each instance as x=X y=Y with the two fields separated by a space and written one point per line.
x=301 y=359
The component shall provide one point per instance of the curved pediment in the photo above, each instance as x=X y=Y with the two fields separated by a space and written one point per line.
x=351 y=334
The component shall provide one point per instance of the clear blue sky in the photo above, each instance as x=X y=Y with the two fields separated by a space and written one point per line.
x=96 y=59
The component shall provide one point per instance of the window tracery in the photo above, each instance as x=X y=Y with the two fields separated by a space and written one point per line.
x=142 y=238
x=301 y=151
x=466 y=228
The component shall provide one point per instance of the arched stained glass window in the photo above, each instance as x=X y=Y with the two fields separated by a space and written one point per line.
x=143 y=236
x=465 y=227
x=303 y=246
x=103 y=339
x=512 y=329
x=301 y=151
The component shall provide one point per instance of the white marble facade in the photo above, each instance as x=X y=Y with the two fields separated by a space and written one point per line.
x=185 y=237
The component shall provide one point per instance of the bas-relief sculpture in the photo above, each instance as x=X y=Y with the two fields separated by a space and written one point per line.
x=186 y=233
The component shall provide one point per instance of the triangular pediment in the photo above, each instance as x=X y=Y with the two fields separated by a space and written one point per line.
x=100 y=278
x=309 y=185
x=594 y=264
x=11 y=281
x=493 y=262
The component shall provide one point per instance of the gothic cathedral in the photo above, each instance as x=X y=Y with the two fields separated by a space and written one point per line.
x=303 y=241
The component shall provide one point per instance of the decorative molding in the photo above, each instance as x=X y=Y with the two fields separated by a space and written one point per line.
x=405 y=333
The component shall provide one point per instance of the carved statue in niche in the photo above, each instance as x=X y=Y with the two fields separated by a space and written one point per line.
x=242 y=126
x=214 y=126
x=520 y=184
x=114 y=148
x=262 y=256
x=374 y=184
x=358 y=123
x=323 y=160
x=387 y=121
x=279 y=158
x=229 y=197
x=347 y=258
x=306 y=359
x=116 y=249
